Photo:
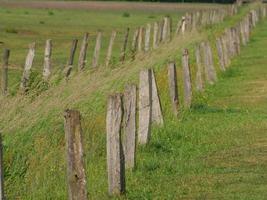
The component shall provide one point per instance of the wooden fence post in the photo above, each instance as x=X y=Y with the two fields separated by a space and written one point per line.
x=115 y=157
x=225 y=50
x=187 y=79
x=173 y=87
x=69 y=67
x=169 y=28
x=155 y=35
x=47 y=60
x=145 y=99
x=156 y=112
x=27 y=68
x=124 y=46
x=129 y=142
x=210 y=72
x=160 y=35
x=2 y=191
x=75 y=163
x=110 y=46
x=147 y=37
x=220 y=53
x=134 y=43
x=5 y=72
x=83 y=52
x=140 y=39
x=199 y=65
x=97 y=50
x=165 y=29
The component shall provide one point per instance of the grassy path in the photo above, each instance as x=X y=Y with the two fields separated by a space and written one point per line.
x=218 y=150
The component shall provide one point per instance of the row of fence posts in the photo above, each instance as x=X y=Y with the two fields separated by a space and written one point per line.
x=121 y=126
x=121 y=116
x=141 y=41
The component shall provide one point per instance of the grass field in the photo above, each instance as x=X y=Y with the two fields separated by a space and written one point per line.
x=214 y=151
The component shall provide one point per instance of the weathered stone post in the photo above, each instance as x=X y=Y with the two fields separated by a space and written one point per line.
x=129 y=139
x=124 y=46
x=83 y=52
x=147 y=37
x=47 y=60
x=27 y=68
x=75 y=163
x=97 y=49
x=115 y=157
x=187 y=79
x=145 y=100
x=110 y=47
x=5 y=72
x=173 y=87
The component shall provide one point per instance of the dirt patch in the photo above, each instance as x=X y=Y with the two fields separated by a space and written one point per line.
x=91 y=5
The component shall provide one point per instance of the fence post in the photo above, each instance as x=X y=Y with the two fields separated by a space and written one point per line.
x=173 y=87
x=155 y=35
x=134 y=43
x=145 y=99
x=115 y=159
x=123 y=49
x=199 y=65
x=83 y=52
x=2 y=191
x=165 y=29
x=75 y=163
x=187 y=79
x=69 y=67
x=210 y=73
x=140 y=39
x=97 y=50
x=129 y=103
x=147 y=37
x=47 y=60
x=27 y=68
x=110 y=46
x=220 y=53
x=156 y=115
x=5 y=72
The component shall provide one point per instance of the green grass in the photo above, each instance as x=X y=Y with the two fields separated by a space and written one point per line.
x=216 y=150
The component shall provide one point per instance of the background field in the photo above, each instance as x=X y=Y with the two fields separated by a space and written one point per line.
x=216 y=150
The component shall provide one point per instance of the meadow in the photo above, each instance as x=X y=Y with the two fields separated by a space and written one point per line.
x=215 y=150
